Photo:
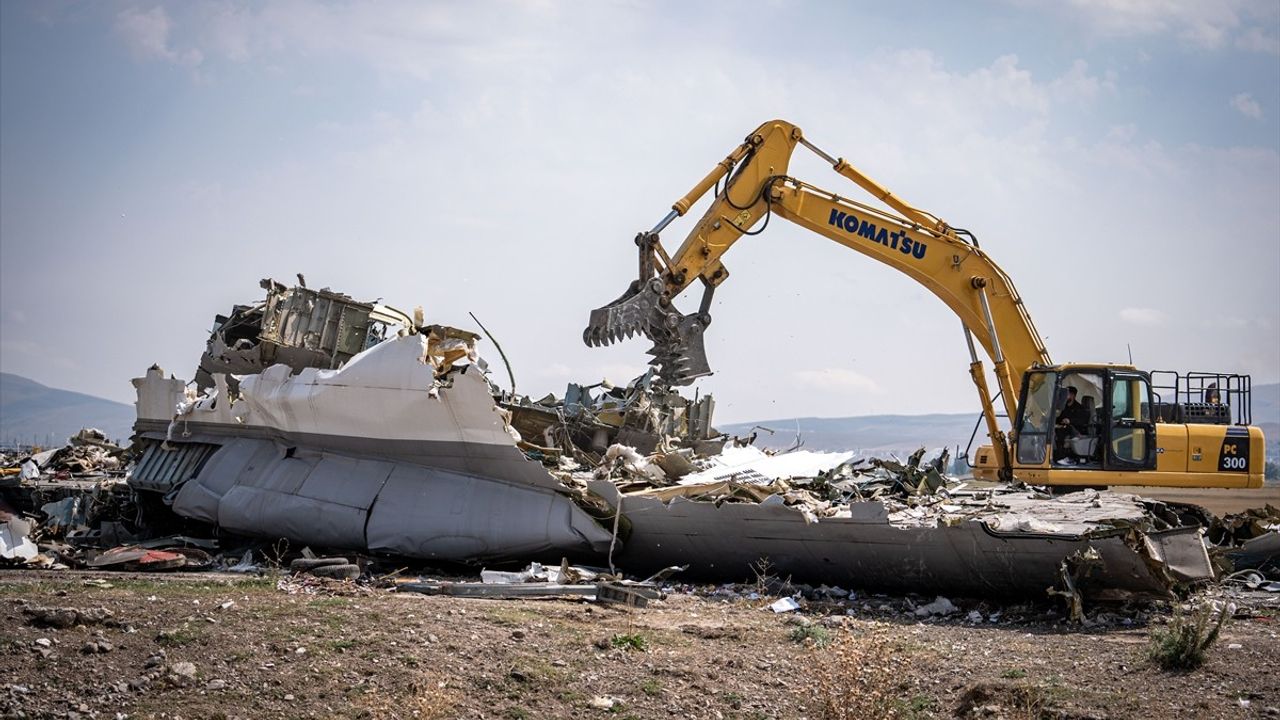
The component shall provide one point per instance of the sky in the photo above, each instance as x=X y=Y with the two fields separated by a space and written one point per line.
x=1120 y=159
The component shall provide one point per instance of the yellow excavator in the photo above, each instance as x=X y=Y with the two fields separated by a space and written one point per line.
x=1076 y=424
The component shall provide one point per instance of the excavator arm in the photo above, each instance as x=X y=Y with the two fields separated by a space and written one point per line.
x=756 y=187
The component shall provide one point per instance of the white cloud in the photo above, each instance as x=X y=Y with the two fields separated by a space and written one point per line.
x=837 y=380
x=1247 y=106
x=146 y=33
x=1077 y=85
x=1258 y=40
x=1205 y=24
x=1145 y=317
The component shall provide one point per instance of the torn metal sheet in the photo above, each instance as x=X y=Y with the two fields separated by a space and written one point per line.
x=982 y=548
x=1262 y=552
x=15 y=541
x=138 y=559
x=402 y=450
x=67 y=513
x=1181 y=552
x=297 y=327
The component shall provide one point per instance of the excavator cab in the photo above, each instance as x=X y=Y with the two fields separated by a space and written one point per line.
x=1085 y=418
x=1121 y=429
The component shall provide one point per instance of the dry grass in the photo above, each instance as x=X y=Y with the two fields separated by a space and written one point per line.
x=860 y=677
x=427 y=701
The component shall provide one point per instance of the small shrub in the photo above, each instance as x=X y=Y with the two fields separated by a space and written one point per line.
x=651 y=687
x=1185 y=642
x=179 y=636
x=1025 y=700
x=818 y=634
x=917 y=706
x=1014 y=674
x=630 y=641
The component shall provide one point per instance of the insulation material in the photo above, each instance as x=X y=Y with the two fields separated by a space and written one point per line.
x=750 y=463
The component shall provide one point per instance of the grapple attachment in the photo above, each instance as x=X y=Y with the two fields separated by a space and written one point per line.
x=678 y=352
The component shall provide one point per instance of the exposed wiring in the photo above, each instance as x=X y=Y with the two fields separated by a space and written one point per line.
x=510 y=375
x=768 y=204
x=961 y=232
x=732 y=175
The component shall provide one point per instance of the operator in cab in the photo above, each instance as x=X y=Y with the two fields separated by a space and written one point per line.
x=1073 y=421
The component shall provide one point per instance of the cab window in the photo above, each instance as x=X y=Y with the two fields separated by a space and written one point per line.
x=1037 y=418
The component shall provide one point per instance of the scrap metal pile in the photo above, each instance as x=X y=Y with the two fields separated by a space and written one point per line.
x=355 y=427
x=72 y=491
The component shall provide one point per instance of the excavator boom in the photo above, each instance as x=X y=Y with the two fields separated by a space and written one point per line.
x=755 y=187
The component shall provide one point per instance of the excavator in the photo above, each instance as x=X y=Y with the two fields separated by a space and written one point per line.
x=1070 y=425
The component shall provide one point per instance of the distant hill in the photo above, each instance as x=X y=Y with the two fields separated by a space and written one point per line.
x=904 y=433
x=1266 y=403
x=31 y=412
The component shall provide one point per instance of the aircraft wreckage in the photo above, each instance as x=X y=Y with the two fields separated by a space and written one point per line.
x=348 y=425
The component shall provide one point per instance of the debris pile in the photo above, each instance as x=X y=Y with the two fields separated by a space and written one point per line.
x=87 y=455
x=545 y=582
x=52 y=501
x=355 y=427
x=1249 y=540
x=645 y=416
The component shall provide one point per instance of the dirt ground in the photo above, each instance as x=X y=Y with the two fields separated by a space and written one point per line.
x=1219 y=501
x=218 y=646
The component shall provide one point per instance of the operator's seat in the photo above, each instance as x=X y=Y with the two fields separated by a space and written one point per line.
x=1085 y=446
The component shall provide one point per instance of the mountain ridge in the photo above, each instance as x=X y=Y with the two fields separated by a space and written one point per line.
x=34 y=413
x=903 y=432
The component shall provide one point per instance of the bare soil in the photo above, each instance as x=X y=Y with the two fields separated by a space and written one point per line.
x=360 y=653
x=1220 y=501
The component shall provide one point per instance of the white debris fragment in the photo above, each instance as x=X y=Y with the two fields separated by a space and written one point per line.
x=787 y=604
x=940 y=606
x=30 y=470
x=751 y=464
x=633 y=461
x=14 y=543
